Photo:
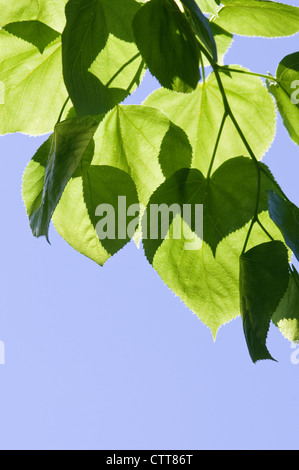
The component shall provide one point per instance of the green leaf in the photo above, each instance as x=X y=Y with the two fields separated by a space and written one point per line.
x=34 y=91
x=258 y=18
x=228 y=200
x=286 y=94
x=208 y=6
x=286 y=216
x=101 y=63
x=67 y=146
x=35 y=32
x=208 y=284
x=264 y=278
x=75 y=218
x=286 y=317
x=201 y=27
x=138 y=140
x=251 y=104
x=132 y=139
x=168 y=45
x=49 y=12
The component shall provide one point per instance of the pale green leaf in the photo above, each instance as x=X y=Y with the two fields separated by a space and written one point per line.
x=200 y=113
x=208 y=285
x=208 y=6
x=49 y=12
x=69 y=142
x=138 y=140
x=258 y=18
x=34 y=91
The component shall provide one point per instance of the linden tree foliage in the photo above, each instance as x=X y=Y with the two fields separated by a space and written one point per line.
x=66 y=68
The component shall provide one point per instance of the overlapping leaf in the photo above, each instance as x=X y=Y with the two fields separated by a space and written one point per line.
x=200 y=115
x=286 y=216
x=286 y=93
x=228 y=200
x=109 y=164
x=102 y=65
x=143 y=142
x=259 y=18
x=264 y=279
x=168 y=45
x=66 y=146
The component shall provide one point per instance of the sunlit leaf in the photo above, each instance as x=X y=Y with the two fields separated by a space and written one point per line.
x=258 y=18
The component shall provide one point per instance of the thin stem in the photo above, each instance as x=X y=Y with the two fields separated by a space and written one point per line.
x=216 y=145
x=248 y=72
x=63 y=109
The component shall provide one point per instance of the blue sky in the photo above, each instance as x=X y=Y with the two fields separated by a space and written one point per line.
x=109 y=358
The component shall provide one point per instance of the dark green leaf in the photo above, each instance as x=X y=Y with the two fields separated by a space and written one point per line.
x=286 y=216
x=201 y=27
x=175 y=152
x=65 y=148
x=34 y=32
x=101 y=63
x=168 y=45
x=264 y=278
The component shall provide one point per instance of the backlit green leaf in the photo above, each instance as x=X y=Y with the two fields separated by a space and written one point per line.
x=208 y=6
x=258 y=18
x=140 y=140
x=200 y=113
x=208 y=285
x=49 y=12
x=34 y=91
